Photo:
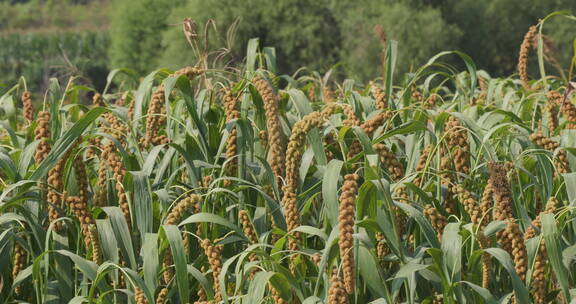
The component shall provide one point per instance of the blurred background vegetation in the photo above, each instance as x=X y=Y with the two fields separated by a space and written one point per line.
x=40 y=39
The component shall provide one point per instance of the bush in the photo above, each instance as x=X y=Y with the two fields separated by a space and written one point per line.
x=303 y=32
x=495 y=29
x=136 y=31
x=420 y=31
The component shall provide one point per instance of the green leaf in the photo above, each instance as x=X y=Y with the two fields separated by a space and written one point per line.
x=210 y=218
x=179 y=257
x=258 y=286
x=553 y=252
x=122 y=232
x=330 y=190
x=452 y=251
x=504 y=258
x=142 y=204
x=65 y=142
x=150 y=257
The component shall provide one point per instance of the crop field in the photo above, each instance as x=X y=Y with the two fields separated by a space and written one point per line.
x=243 y=185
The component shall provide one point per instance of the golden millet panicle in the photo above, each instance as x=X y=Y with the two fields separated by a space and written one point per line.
x=538 y=287
x=561 y=159
x=330 y=141
x=351 y=118
x=290 y=206
x=543 y=141
x=394 y=167
x=470 y=204
x=539 y=281
x=554 y=97
x=437 y=220
x=168 y=273
x=18 y=264
x=523 y=56
x=97 y=100
x=458 y=141
x=247 y=226
x=502 y=193
x=42 y=133
x=569 y=112
x=369 y=127
x=381 y=248
x=276 y=295
x=232 y=113
x=162 y=296
x=156 y=115
x=27 y=106
x=95 y=143
x=346 y=226
x=115 y=127
x=514 y=244
x=56 y=183
x=377 y=121
x=213 y=252
x=155 y=119
x=486 y=259
x=81 y=178
x=263 y=137
x=510 y=239
x=118 y=170
x=293 y=157
x=328 y=95
x=274 y=129
x=316 y=258
x=139 y=296
x=536 y=223
x=551 y=109
x=96 y=248
x=175 y=216
x=379 y=96
x=337 y=292
x=100 y=198
x=177 y=213
x=84 y=216
x=486 y=204
x=437 y=298
x=250 y=233
x=312 y=92
x=296 y=145
x=416 y=95
x=431 y=101
x=131 y=110
x=400 y=195
x=421 y=165
x=122 y=100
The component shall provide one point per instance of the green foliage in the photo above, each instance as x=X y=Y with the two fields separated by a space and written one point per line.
x=135 y=32
x=304 y=33
x=494 y=29
x=420 y=31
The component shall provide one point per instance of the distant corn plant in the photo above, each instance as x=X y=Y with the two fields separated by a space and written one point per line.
x=210 y=186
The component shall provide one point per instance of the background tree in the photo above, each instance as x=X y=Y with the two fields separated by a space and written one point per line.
x=420 y=31
x=136 y=30
x=303 y=33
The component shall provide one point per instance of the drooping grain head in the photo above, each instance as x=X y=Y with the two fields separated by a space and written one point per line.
x=27 y=106
x=346 y=225
x=523 y=56
x=274 y=130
